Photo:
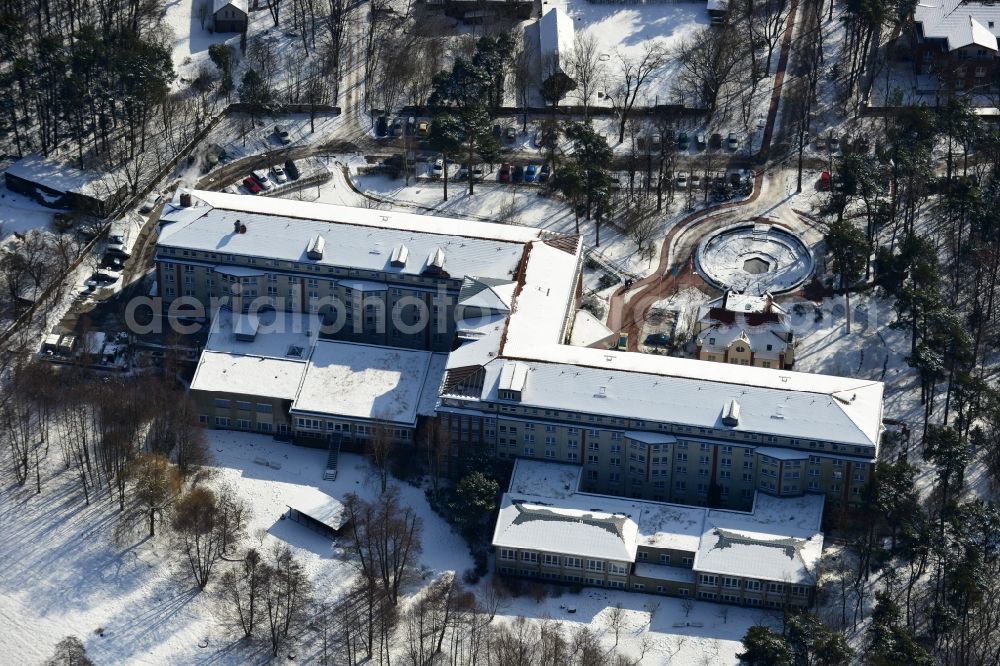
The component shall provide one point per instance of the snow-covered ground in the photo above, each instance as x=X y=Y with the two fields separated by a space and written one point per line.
x=19 y=214
x=871 y=350
x=190 y=40
x=629 y=29
x=60 y=572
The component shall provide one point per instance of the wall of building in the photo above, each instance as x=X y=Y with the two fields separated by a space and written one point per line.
x=572 y=569
x=682 y=472
x=297 y=287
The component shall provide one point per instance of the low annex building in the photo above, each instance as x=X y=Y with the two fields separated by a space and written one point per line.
x=768 y=556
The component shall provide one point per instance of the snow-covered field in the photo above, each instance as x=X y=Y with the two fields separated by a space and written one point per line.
x=61 y=574
x=629 y=29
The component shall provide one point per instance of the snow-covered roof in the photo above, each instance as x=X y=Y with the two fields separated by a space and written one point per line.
x=779 y=541
x=556 y=35
x=720 y=337
x=664 y=572
x=544 y=479
x=717 y=5
x=580 y=526
x=736 y=302
x=368 y=382
x=60 y=176
x=319 y=506
x=487 y=294
x=236 y=4
x=959 y=23
x=358 y=238
x=694 y=393
x=589 y=331
x=277 y=335
x=253 y=375
x=657 y=524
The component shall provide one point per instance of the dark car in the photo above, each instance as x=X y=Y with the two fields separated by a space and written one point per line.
x=510 y=134
x=504 y=175
x=518 y=174
x=715 y=141
x=292 y=170
x=381 y=126
x=531 y=173
x=683 y=142
x=657 y=340
x=543 y=175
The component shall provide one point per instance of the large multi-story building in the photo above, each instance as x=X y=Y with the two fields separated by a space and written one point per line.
x=640 y=426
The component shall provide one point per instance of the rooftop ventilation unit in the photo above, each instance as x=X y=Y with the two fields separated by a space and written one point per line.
x=316 y=246
x=731 y=413
x=435 y=261
x=399 y=255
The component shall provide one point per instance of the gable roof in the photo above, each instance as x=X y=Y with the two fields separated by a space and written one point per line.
x=959 y=23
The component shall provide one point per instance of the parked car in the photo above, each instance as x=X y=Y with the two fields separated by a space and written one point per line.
x=282 y=135
x=543 y=175
x=279 y=173
x=381 y=126
x=682 y=179
x=477 y=173
x=657 y=340
x=463 y=173
x=423 y=128
x=103 y=278
x=231 y=189
x=834 y=143
x=397 y=127
x=261 y=177
x=497 y=132
x=823 y=185
x=683 y=142
x=149 y=203
x=510 y=134
x=695 y=181
x=820 y=143
x=518 y=175
x=655 y=143
x=251 y=185
x=732 y=141
x=622 y=342
x=438 y=169
x=715 y=141
x=292 y=169
x=531 y=173
x=699 y=141
x=116 y=245
x=504 y=174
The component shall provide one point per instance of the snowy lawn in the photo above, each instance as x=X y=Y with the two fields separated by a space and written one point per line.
x=61 y=574
x=19 y=214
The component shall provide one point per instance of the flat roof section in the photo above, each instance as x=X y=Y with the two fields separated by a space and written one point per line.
x=358 y=381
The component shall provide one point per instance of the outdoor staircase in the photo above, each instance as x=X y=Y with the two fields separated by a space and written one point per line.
x=333 y=453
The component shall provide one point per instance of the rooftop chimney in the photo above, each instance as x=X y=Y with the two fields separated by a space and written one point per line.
x=186 y=199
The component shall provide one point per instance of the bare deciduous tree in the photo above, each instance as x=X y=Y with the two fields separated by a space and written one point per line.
x=634 y=73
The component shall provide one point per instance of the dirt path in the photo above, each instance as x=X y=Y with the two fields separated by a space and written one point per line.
x=628 y=308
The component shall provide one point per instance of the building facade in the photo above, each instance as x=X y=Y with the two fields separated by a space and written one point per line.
x=503 y=380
